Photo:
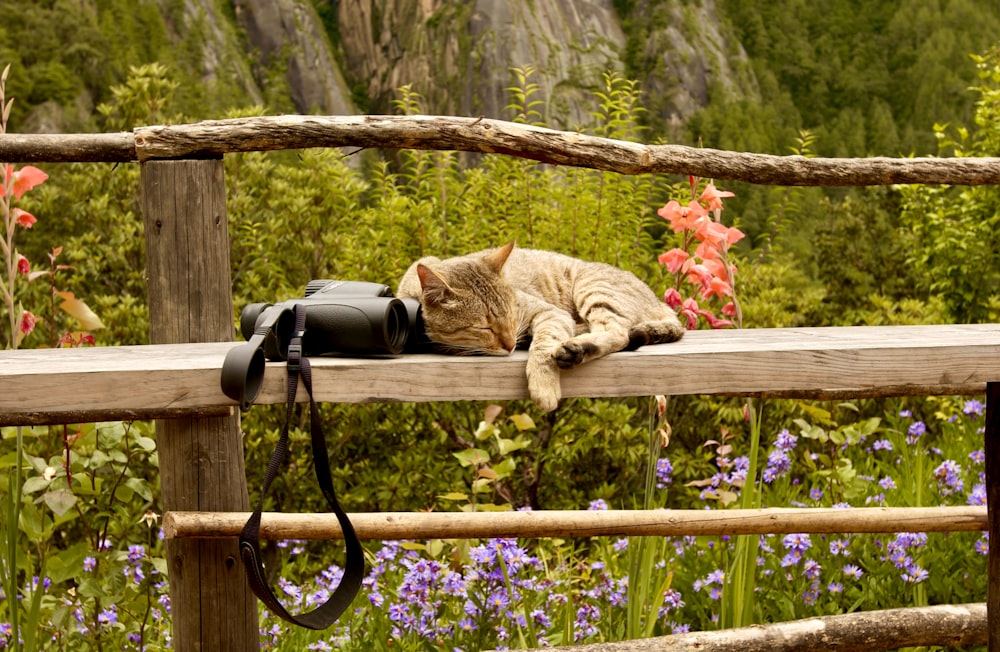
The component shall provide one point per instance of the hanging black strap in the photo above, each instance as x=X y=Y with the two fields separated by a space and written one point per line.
x=354 y=569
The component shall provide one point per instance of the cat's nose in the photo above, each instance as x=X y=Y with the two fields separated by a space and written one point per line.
x=508 y=343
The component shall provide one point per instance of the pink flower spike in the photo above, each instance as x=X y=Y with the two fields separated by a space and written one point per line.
x=23 y=218
x=717 y=287
x=27 y=178
x=674 y=259
x=729 y=309
x=673 y=298
x=27 y=323
x=714 y=322
x=23 y=266
x=699 y=274
x=712 y=197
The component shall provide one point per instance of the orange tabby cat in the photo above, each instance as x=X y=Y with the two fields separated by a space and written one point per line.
x=572 y=310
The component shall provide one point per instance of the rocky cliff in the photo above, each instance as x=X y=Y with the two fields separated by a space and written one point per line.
x=458 y=55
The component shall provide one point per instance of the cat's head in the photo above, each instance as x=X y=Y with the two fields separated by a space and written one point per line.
x=468 y=307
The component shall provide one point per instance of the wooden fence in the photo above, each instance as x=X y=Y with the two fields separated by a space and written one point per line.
x=175 y=379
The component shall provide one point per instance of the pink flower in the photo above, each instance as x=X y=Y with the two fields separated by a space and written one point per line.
x=712 y=197
x=689 y=313
x=682 y=218
x=27 y=323
x=23 y=266
x=23 y=180
x=674 y=259
x=673 y=298
x=717 y=287
x=729 y=309
x=23 y=218
x=714 y=322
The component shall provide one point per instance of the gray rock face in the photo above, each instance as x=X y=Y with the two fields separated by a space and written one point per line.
x=458 y=55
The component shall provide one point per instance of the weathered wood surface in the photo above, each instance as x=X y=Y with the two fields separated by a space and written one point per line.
x=992 y=450
x=483 y=135
x=548 y=146
x=865 y=631
x=68 y=148
x=557 y=523
x=835 y=362
x=201 y=459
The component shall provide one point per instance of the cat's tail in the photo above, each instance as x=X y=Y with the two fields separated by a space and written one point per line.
x=654 y=332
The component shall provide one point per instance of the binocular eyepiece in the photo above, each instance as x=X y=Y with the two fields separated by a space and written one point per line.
x=349 y=317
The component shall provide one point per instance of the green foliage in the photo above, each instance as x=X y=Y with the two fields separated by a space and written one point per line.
x=955 y=230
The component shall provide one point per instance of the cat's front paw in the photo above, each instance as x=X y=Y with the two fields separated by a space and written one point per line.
x=573 y=353
x=543 y=386
x=546 y=400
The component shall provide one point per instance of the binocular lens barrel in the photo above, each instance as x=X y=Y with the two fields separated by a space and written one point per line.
x=358 y=325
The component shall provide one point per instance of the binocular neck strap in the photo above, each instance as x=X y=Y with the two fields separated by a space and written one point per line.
x=354 y=569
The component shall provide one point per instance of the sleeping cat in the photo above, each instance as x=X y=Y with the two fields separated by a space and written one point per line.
x=572 y=310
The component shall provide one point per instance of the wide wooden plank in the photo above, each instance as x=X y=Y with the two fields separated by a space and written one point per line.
x=165 y=380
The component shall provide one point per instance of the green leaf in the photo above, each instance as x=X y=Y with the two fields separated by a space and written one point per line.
x=141 y=487
x=485 y=431
x=80 y=311
x=472 y=456
x=505 y=467
x=453 y=495
x=522 y=421
x=35 y=483
x=60 y=501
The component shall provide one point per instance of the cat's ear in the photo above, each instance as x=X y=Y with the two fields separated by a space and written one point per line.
x=435 y=289
x=495 y=259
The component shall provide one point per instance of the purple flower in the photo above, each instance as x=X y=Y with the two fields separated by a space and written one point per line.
x=916 y=430
x=887 y=483
x=89 y=564
x=778 y=464
x=672 y=599
x=853 y=572
x=136 y=553
x=598 y=505
x=835 y=588
x=882 y=445
x=663 y=470
x=947 y=475
x=914 y=574
x=785 y=441
x=816 y=494
x=978 y=495
x=798 y=542
x=108 y=616
x=982 y=545
x=973 y=408
x=839 y=547
x=978 y=456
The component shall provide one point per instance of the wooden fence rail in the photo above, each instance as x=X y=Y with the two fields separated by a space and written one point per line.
x=213 y=138
x=568 y=524
x=177 y=378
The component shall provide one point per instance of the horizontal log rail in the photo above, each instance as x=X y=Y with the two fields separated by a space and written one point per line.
x=887 y=629
x=213 y=138
x=63 y=385
x=557 y=523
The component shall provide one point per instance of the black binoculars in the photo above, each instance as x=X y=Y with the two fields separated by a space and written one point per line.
x=349 y=317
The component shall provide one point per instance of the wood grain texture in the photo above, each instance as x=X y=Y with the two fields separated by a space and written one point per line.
x=794 y=362
x=863 y=631
x=216 y=137
x=213 y=138
x=580 y=523
x=201 y=459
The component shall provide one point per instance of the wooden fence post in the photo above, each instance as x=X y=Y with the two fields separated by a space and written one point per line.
x=201 y=460
x=992 y=450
